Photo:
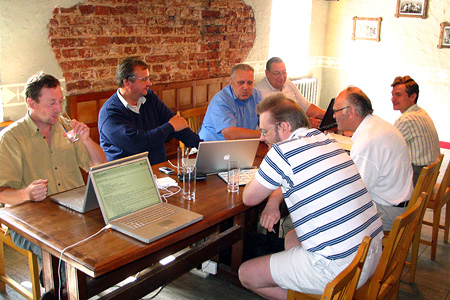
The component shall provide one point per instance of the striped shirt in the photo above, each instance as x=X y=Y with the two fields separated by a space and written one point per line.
x=329 y=205
x=420 y=134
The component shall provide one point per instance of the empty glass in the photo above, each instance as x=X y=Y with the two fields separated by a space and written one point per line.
x=233 y=176
x=65 y=121
x=187 y=171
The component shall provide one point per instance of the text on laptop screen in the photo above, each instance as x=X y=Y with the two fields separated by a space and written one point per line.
x=126 y=188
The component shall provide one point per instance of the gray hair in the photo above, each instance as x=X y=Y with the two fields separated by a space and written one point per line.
x=359 y=100
x=126 y=68
x=241 y=67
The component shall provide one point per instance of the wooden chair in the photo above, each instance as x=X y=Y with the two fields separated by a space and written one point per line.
x=384 y=283
x=439 y=198
x=5 y=124
x=194 y=117
x=344 y=285
x=425 y=183
x=5 y=238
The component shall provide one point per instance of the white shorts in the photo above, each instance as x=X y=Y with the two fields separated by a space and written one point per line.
x=300 y=270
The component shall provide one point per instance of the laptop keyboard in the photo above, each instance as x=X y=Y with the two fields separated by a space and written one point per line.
x=149 y=216
x=245 y=176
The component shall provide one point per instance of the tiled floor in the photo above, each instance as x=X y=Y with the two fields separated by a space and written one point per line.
x=432 y=279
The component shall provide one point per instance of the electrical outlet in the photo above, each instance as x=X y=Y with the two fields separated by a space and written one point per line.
x=210 y=267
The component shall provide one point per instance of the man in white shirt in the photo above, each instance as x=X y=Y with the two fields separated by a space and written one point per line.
x=276 y=81
x=379 y=152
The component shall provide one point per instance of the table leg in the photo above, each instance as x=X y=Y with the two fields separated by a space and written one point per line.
x=50 y=269
x=76 y=283
x=238 y=247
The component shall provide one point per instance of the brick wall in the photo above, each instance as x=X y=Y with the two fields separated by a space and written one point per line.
x=179 y=39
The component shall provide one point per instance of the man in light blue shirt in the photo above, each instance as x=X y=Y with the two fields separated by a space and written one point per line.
x=232 y=113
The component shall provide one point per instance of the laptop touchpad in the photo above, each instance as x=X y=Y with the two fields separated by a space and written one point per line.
x=165 y=223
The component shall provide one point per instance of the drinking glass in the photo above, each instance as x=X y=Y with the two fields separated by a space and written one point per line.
x=234 y=170
x=65 y=121
x=188 y=172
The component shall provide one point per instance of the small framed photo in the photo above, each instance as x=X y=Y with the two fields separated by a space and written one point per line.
x=444 y=37
x=411 y=9
x=366 y=29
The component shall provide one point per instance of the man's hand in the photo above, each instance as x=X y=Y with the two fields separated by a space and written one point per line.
x=37 y=190
x=315 y=122
x=81 y=129
x=178 y=123
x=271 y=213
x=270 y=216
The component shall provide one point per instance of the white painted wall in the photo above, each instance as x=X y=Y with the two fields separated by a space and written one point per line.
x=24 y=49
x=408 y=46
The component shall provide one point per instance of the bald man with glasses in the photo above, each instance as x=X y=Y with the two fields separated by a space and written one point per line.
x=135 y=120
x=379 y=152
x=276 y=81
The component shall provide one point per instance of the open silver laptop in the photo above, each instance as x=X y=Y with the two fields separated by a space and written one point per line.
x=131 y=203
x=81 y=199
x=213 y=156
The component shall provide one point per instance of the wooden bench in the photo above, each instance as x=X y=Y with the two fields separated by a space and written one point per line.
x=177 y=96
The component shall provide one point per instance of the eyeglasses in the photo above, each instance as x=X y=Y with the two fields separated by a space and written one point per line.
x=145 y=79
x=276 y=74
x=336 y=110
x=264 y=132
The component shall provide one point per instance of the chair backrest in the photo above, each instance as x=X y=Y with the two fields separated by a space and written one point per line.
x=194 y=117
x=4 y=124
x=443 y=186
x=426 y=181
x=344 y=285
x=386 y=278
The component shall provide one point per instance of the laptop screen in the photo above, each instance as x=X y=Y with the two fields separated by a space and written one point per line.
x=125 y=188
x=328 y=120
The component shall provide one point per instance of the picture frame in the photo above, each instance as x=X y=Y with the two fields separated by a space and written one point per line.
x=411 y=9
x=366 y=29
x=444 y=36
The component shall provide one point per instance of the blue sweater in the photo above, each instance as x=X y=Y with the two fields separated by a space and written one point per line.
x=124 y=133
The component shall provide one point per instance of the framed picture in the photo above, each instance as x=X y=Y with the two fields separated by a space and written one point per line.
x=366 y=29
x=444 y=37
x=412 y=8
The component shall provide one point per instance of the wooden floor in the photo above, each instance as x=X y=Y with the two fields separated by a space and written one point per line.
x=432 y=279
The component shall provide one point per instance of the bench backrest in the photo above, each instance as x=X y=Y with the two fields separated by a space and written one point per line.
x=177 y=96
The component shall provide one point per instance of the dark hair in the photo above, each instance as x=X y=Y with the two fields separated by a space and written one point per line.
x=271 y=61
x=411 y=87
x=241 y=67
x=37 y=82
x=126 y=68
x=284 y=109
x=359 y=100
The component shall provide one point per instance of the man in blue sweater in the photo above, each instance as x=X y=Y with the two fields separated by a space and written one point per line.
x=135 y=120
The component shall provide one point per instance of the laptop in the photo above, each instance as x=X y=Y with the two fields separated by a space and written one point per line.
x=213 y=156
x=328 y=120
x=131 y=203
x=81 y=199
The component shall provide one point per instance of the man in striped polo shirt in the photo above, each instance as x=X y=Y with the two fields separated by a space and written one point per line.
x=328 y=203
x=415 y=124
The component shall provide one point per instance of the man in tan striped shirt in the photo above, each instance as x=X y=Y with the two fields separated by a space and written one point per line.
x=415 y=124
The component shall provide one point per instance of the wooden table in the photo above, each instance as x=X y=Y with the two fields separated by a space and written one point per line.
x=111 y=257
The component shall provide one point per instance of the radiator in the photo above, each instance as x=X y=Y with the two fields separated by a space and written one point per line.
x=309 y=87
